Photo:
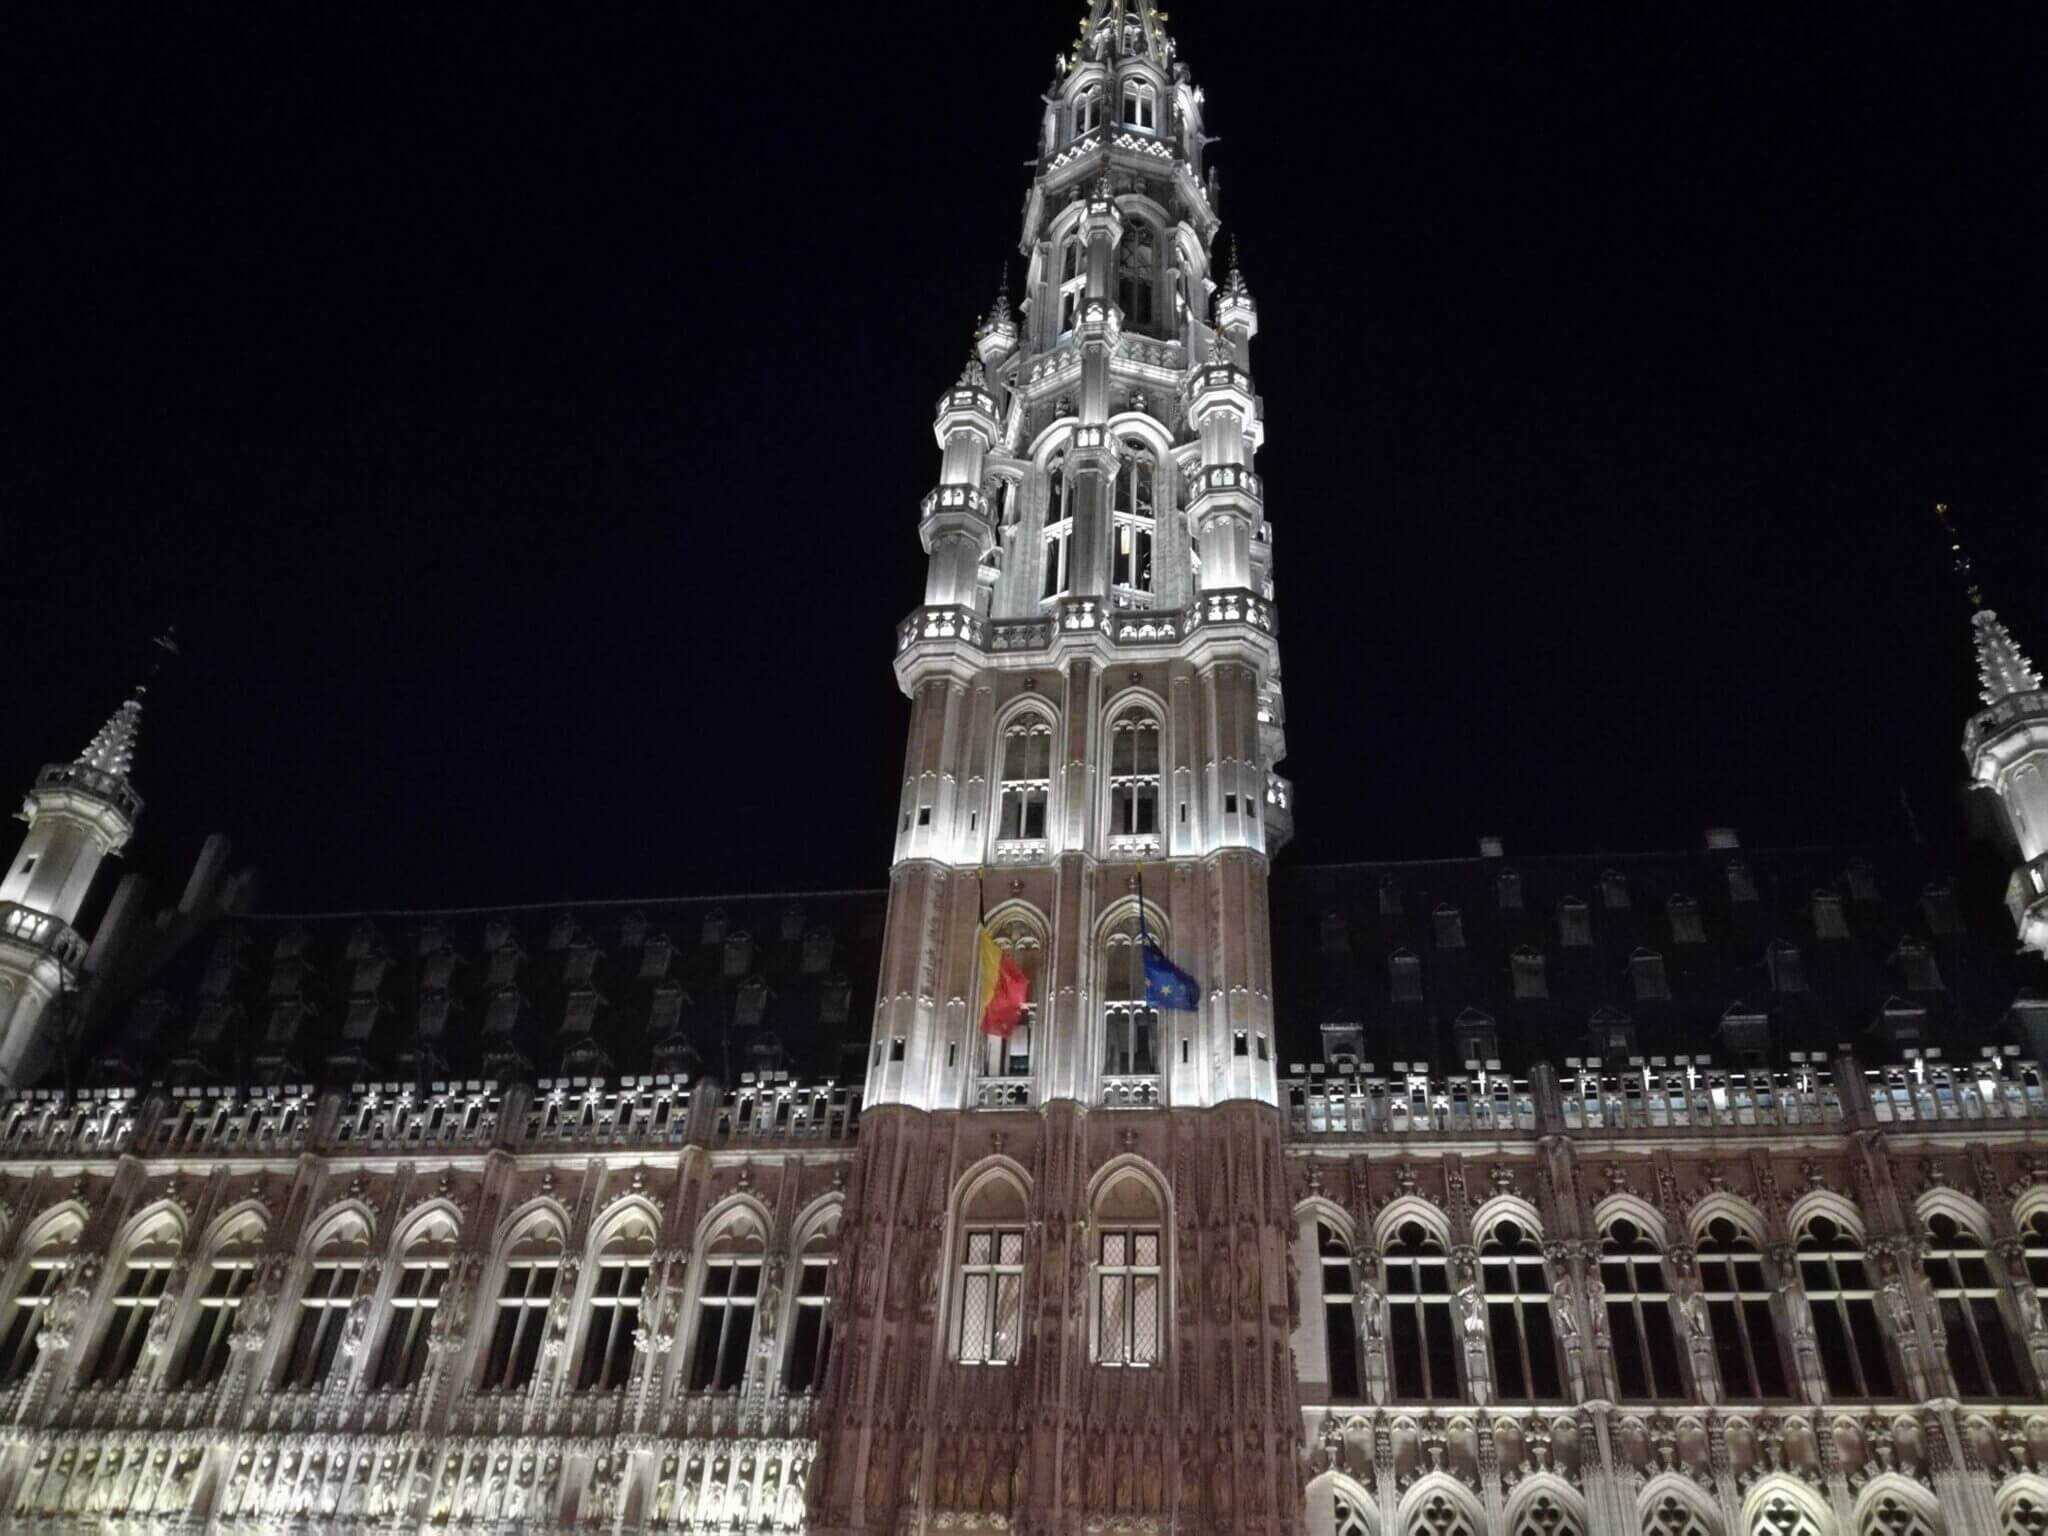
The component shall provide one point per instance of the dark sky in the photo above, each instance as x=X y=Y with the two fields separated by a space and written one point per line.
x=525 y=422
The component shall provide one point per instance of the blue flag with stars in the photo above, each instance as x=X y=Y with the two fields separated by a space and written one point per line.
x=1166 y=984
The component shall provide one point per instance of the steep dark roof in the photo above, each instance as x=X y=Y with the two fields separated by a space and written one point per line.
x=1764 y=923
x=1923 y=954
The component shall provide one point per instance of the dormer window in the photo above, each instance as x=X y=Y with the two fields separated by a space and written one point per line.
x=1404 y=976
x=1741 y=883
x=1510 y=891
x=1862 y=882
x=1938 y=906
x=1390 y=896
x=1141 y=105
x=1686 y=926
x=1450 y=928
x=1916 y=960
x=1614 y=890
x=1829 y=922
x=1646 y=970
x=1574 y=923
x=1530 y=977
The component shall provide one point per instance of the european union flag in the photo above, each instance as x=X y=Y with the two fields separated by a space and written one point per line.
x=1166 y=984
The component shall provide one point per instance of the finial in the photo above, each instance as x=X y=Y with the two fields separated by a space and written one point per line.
x=974 y=376
x=1235 y=280
x=1959 y=557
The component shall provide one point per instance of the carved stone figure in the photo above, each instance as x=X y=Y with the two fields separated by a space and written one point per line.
x=665 y=1490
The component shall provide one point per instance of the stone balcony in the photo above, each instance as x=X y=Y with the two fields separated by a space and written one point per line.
x=1134 y=629
x=86 y=779
x=42 y=933
x=2007 y=712
x=2026 y=897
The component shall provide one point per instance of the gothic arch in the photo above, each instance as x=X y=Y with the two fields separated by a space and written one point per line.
x=630 y=1219
x=1026 y=704
x=1965 y=1211
x=1406 y=1208
x=1052 y=440
x=1505 y=1208
x=1322 y=1208
x=2023 y=1504
x=727 y=1214
x=438 y=1221
x=822 y=1216
x=1544 y=1504
x=1439 y=1505
x=59 y=1227
x=1894 y=1505
x=163 y=1225
x=1824 y=1202
x=2034 y=1198
x=1133 y=695
x=1128 y=1165
x=1672 y=1505
x=525 y=1218
x=1784 y=1506
x=1122 y=910
x=1139 y=424
x=1648 y=1219
x=1743 y=1216
x=1335 y=1505
x=1018 y=910
x=345 y=1222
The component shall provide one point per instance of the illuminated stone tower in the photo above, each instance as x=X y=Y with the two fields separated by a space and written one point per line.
x=77 y=813
x=1067 y=1285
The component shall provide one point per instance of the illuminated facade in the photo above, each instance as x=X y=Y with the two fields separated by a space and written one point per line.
x=1688 y=1195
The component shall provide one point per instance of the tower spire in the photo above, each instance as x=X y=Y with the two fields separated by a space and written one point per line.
x=112 y=748
x=2003 y=669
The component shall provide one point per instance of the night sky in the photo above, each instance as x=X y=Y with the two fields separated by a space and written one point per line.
x=524 y=424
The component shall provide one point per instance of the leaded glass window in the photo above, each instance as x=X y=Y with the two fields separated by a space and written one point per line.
x=991 y=1295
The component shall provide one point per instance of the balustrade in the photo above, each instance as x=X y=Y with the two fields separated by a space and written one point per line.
x=40 y=931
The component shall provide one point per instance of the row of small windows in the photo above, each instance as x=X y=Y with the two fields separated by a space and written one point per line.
x=1025 y=785
x=1937 y=901
x=1650 y=1330
x=1140 y=107
x=337 y=1287
x=1648 y=976
x=1133 y=525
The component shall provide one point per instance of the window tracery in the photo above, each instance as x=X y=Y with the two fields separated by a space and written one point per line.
x=1671 y=1515
x=1544 y=1515
x=414 y=1304
x=533 y=1264
x=1026 y=793
x=1011 y=1057
x=1525 y=1358
x=1421 y=1334
x=1059 y=527
x=1836 y=1277
x=810 y=1333
x=1130 y=1025
x=1737 y=1298
x=1134 y=781
x=1980 y=1349
x=988 y=1327
x=728 y=1296
x=1129 y=1275
x=1639 y=1324
x=1340 y=1316
x=324 y=1303
x=1133 y=521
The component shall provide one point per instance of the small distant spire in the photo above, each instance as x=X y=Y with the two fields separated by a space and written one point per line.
x=999 y=317
x=2002 y=667
x=974 y=376
x=1234 y=282
x=112 y=750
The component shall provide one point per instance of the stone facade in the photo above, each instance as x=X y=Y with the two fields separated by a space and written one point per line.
x=1685 y=1196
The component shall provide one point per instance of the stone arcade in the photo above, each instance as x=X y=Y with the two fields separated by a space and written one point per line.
x=1681 y=1195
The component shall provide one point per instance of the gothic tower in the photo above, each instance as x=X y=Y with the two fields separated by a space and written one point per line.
x=77 y=813
x=1067 y=1291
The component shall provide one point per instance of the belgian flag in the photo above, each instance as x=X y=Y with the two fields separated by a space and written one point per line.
x=1005 y=989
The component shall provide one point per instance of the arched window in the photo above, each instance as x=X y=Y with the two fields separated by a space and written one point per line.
x=1980 y=1351
x=415 y=1300
x=988 y=1328
x=1439 y=1514
x=1130 y=1025
x=1333 y=1505
x=1026 y=779
x=810 y=1333
x=1129 y=1274
x=323 y=1305
x=623 y=1265
x=1073 y=281
x=2034 y=1235
x=1011 y=1057
x=533 y=1262
x=1141 y=105
x=1059 y=527
x=1137 y=488
x=1421 y=1336
x=1639 y=1315
x=1518 y=1316
x=1836 y=1277
x=1783 y=1512
x=228 y=1278
x=1738 y=1303
x=1671 y=1515
x=1893 y=1513
x=1543 y=1513
x=1137 y=271
x=1134 y=781
x=145 y=1279
x=1087 y=110
x=1340 y=1314
x=2022 y=1511
x=726 y=1302
x=37 y=1283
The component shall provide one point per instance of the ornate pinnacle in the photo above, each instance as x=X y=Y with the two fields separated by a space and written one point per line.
x=2002 y=667
x=112 y=750
x=1234 y=283
x=974 y=376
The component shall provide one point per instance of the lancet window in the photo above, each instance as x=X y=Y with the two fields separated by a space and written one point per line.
x=1836 y=1277
x=988 y=1327
x=1141 y=105
x=2035 y=1239
x=1087 y=110
x=323 y=1313
x=415 y=1301
x=1421 y=1335
x=1027 y=779
x=1130 y=1025
x=1129 y=1275
x=1340 y=1312
x=532 y=1266
x=26 y=1309
x=1011 y=1057
x=1059 y=527
x=727 y=1300
x=1134 y=776
x=1133 y=518
x=810 y=1331
x=1980 y=1349
x=1525 y=1364
x=1738 y=1302
x=1674 y=1516
x=1544 y=1515
x=1137 y=268
x=617 y=1289
x=1780 y=1514
x=1073 y=281
x=1639 y=1322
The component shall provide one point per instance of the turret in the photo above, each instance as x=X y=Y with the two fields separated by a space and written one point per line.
x=2006 y=746
x=77 y=813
